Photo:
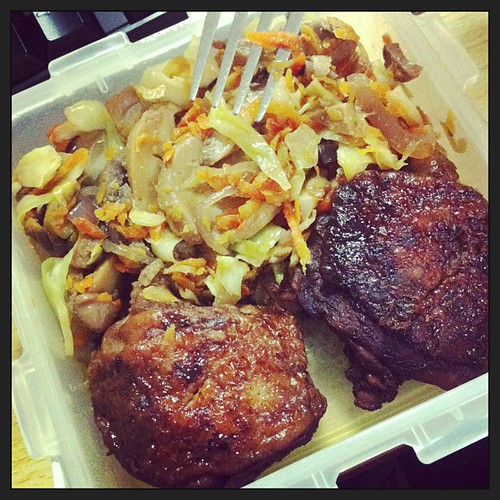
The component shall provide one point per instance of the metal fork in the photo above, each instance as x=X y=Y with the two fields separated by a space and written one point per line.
x=294 y=20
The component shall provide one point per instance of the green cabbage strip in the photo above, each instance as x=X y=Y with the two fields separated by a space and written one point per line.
x=255 y=250
x=54 y=274
x=303 y=146
x=225 y=284
x=163 y=247
x=88 y=115
x=61 y=192
x=251 y=143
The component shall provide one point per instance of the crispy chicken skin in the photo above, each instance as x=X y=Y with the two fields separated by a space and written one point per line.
x=194 y=396
x=400 y=272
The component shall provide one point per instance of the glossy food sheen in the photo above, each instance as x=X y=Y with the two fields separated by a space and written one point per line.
x=190 y=396
x=400 y=272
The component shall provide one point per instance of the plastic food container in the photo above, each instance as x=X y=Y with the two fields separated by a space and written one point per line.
x=52 y=405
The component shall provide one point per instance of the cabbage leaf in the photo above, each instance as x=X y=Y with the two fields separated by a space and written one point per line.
x=225 y=284
x=255 y=250
x=54 y=274
x=163 y=246
x=303 y=146
x=38 y=166
x=61 y=193
x=251 y=143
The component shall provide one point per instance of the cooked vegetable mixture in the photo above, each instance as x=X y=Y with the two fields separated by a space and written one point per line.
x=194 y=203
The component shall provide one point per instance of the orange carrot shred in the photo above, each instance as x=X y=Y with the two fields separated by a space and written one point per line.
x=88 y=228
x=297 y=236
x=275 y=40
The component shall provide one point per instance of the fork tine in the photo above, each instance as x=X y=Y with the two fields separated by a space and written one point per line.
x=208 y=33
x=231 y=46
x=293 y=24
x=253 y=59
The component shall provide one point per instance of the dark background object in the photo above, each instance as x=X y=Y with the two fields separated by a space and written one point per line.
x=42 y=36
x=467 y=468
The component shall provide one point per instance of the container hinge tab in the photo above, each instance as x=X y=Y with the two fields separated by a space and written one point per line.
x=89 y=53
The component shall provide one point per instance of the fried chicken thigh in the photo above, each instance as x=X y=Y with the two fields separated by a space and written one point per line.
x=193 y=396
x=399 y=272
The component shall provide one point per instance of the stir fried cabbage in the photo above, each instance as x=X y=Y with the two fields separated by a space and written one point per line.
x=37 y=167
x=250 y=142
x=191 y=202
x=225 y=284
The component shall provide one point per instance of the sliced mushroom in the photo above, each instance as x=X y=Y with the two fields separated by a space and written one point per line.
x=125 y=109
x=215 y=147
x=93 y=312
x=396 y=61
x=144 y=153
x=105 y=278
x=178 y=202
x=86 y=251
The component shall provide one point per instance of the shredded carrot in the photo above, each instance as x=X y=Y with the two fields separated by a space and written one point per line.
x=83 y=285
x=325 y=205
x=110 y=211
x=450 y=123
x=122 y=218
x=216 y=182
x=234 y=79
x=298 y=64
x=132 y=231
x=249 y=190
x=196 y=262
x=104 y=297
x=276 y=124
x=145 y=140
x=183 y=281
x=88 y=228
x=252 y=190
x=380 y=89
x=156 y=231
x=249 y=208
x=288 y=114
x=57 y=223
x=292 y=216
x=177 y=132
x=346 y=32
x=272 y=192
x=202 y=121
x=192 y=113
x=450 y=127
x=198 y=130
x=310 y=39
x=168 y=152
x=228 y=221
x=124 y=265
x=31 y=225
x=275 y=40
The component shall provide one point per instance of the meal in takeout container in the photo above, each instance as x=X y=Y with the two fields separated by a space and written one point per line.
x=203 y=266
